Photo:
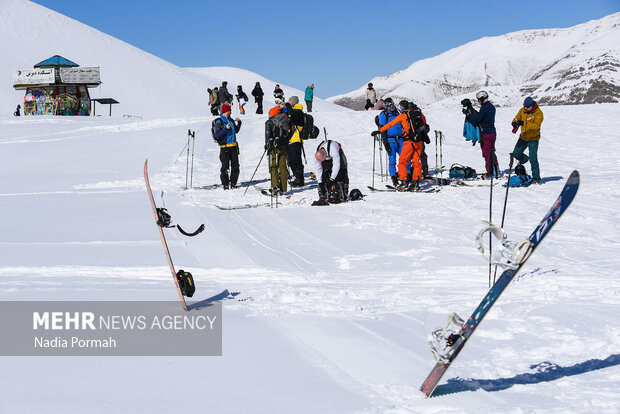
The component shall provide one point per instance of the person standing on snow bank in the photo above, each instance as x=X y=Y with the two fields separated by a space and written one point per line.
x=226 y=131
x=278 y=93
x=242 y=99
x=485 y=119
x=331 y=170
x=16 y=113
x=530 y=119
x=371 y=97
x=213 y=101
x=224 y=96
x=309 y=96
x=295 y=145
x=258 y=93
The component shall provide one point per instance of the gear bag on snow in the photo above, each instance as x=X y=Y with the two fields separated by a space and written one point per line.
x=522 y=180
x=460 y=171
x=186 y=283
x=278 y=131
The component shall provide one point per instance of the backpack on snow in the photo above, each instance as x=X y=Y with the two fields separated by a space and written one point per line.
x=460 y=171
x=520 y=180
x=278 y=130
x=186 y=283
x=309 y=130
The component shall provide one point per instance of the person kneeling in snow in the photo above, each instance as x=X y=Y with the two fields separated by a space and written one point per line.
x=330 y=168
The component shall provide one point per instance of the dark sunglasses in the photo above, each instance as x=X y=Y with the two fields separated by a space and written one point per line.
x=391 y=104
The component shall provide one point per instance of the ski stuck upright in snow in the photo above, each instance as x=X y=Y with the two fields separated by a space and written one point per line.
x=448 y=342
x=183 y=281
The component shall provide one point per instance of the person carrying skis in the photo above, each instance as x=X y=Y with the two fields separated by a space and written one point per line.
x=213 y=100
x=258 y=93
x=392 y=138
x=225 y=132
x=223 y=96
x=277 y=133
x=413 y=136
x=242 y=99
x=485 y=119
x=278 y=93
x=331 y=170
x=530 y=119
x=371 y=97
x=309 y=96
x=295 y=145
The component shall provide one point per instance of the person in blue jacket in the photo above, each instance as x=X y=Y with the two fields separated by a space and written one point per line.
x=309 y=96
x=470 y=132
x=225 y=131
x=485 y=120
x=392 y=138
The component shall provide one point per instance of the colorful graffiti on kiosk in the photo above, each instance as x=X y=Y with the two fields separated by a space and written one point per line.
x=43 y=101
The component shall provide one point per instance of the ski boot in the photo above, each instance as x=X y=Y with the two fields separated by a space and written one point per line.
x=403 y=185
x=395 y=180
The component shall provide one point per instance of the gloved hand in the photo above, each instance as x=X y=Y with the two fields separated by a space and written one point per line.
x=375 y=133
x=515 y=124
x=388 y=148
x=465 y=111
x=520 y=123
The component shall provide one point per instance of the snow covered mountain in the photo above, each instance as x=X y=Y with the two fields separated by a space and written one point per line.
x=144 y=84
x=575 y=65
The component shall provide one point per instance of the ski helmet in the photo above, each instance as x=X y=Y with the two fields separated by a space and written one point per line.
x=355 y=195
x=482 y=95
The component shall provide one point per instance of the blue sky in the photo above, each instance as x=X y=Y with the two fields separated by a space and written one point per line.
x=337 y=45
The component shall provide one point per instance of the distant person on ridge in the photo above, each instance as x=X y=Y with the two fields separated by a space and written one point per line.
x=485 y=119
x=224 y=96
x=213 y=101
x=258 y=94
x=242 y=99
x=226 y=133
x=278 y=93
x=371 y=97
x=309 y=96
x=530 y=119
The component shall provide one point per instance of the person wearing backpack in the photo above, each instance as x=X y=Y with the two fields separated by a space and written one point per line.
x=331 y=170
x=530 y=119
x=371 y=97
x=295 y=144
x=418 y=121
x=413 y=136
x=309 y=96
x=224 y=97
x=225 y=132
x=213 y=100
x=258 y=93
x=485 y=120
x=277 y=133
x=242 y=99
x=392 y=138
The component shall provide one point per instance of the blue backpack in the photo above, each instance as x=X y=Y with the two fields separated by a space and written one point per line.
x=523 y=180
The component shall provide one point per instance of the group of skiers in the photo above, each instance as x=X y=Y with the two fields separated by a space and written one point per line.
x=403 y=131
x=480 y=125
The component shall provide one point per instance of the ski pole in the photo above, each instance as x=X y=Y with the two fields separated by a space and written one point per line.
x=505 y=203
x=491 y=168
x=374 y=147
x=436 y=159
x=191 y=176
x=441 y=154
x=259 y=161
x=189 y=135
x=381 y=160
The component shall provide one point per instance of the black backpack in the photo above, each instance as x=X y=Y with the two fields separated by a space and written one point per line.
x=309 y=130
x=223 y=140
x=186 y=283
x=278 y=130
x=419 y=126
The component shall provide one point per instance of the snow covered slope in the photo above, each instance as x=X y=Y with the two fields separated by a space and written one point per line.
x=145 y=85
x=580 y=64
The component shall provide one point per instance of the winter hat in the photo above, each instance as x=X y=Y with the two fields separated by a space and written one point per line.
x=528 y=101
x=225 y=108
x=294 y=99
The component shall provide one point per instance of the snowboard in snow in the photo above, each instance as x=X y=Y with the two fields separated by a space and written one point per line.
x=162 y=236
x=557 y=209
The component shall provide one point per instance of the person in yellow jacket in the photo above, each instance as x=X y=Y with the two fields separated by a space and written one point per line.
x=530 y=119
x=295 y=145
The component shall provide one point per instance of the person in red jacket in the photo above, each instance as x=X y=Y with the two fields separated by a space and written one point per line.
x=412 y=147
